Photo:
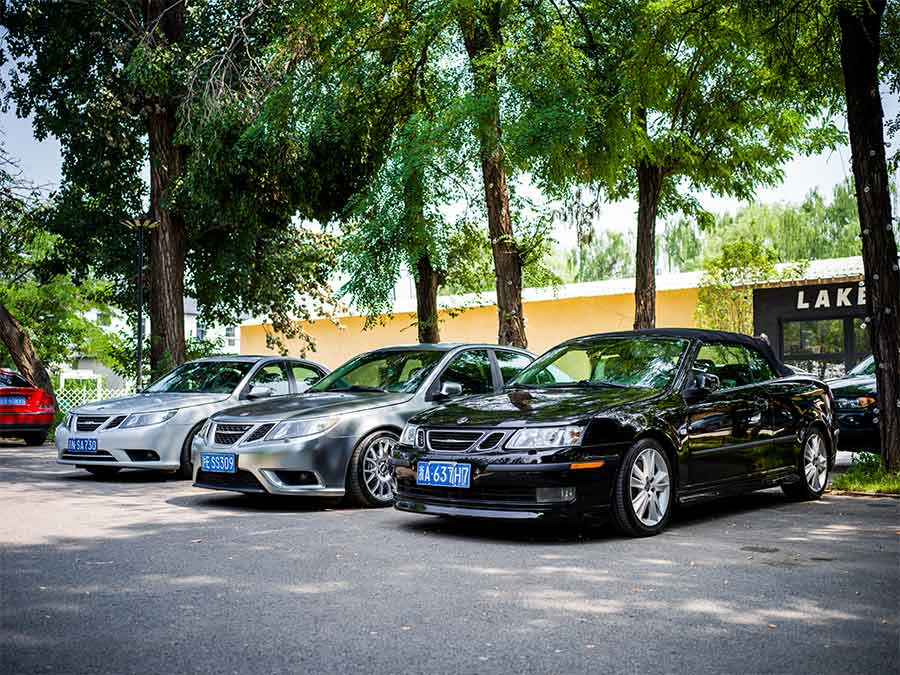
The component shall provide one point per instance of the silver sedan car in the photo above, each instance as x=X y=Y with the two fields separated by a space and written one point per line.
x=336 y=438
x=154 y=429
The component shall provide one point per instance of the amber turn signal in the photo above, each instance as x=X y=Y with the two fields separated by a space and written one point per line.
x=587 y=465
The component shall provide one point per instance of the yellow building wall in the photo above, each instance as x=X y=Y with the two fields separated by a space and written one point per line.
x=548 y=323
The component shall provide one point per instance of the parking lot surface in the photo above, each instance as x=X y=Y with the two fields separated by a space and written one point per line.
x=146 y=574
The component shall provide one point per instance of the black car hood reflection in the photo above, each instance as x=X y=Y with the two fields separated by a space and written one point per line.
x=851 y=387
x=513 y=407
x=314 y=404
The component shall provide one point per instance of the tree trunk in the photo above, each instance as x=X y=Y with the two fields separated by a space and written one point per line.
x=22 y=352
x=427 y=281
x=481 y=34
x=650 y=179
x=860 y=45
x=168 y=240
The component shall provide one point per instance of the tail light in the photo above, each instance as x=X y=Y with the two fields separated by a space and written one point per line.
x=41 y=401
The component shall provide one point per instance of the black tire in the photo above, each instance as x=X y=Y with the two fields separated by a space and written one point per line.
x=186 y=466
x=807 y=488
x=35 y=438
x=623 y=510
x=103 y=471
x=358 y=491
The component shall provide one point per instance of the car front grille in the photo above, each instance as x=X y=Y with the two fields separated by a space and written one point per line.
x=89 y=423
x=516 y=495
x=443 y=440
x=259 y=432
x=241 y=480
x=229 y=434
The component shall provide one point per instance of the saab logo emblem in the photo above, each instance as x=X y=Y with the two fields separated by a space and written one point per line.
x=462 y=420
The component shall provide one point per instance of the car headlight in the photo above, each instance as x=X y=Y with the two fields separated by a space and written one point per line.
x=854 y=403
x=301 y=428
x=408 y=437
x=146 y=419
x=546 y=437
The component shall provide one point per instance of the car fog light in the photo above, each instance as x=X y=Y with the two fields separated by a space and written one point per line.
x=562 y=494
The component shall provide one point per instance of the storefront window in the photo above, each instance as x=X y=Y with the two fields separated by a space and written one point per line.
x=814 y=337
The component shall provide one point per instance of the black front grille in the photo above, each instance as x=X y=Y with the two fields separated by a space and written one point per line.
x=116 y=421
x=259 y=432
x=87 y=423
x=229 y=434
x=452 y=441
x=99 y=456
x=517 y=495
x=491 y=440
x=241 y=480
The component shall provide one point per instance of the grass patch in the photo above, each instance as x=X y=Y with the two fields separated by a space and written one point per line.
x=867 y=474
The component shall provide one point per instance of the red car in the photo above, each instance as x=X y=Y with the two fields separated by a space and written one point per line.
x=26 y=412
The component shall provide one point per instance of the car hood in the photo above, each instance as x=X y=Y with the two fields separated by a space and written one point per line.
x=852 y=386
x=314 y=404
x=148 y=402
x=515 y=407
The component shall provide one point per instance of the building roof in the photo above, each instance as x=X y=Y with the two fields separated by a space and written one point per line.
x=820 y=271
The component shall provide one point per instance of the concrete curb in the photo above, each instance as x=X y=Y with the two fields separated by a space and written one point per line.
x=850 y=493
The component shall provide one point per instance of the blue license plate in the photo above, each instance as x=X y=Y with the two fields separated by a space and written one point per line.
x=12 y=400
x=218 y=462
x=444 y=474
x=86 y=445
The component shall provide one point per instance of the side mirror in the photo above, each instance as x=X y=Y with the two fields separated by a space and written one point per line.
x=260 y=391
x=704 y=384
x=450 y=389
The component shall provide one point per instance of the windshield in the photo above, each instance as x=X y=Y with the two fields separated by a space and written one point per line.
x=13 y=380
x=614 y=361
x=865 y=367
x=203 y=377
x=388 y=370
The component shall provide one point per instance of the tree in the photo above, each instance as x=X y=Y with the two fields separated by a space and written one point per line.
x=834 y=50
x=725 y=295
x=118 y=83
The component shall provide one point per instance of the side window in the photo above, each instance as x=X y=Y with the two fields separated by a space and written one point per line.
x=511 y=363
x=734 y=365
x=272 y=375
x=303 y=376
x=472 y=370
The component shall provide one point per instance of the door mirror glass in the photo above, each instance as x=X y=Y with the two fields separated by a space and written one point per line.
x=260 y=391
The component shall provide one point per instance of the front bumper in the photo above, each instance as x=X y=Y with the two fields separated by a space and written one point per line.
x=858 y=431
x=154 y=447
x=504 y=490
x=314 y=467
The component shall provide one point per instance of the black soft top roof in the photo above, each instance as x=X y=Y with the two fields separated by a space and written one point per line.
x=704 y=335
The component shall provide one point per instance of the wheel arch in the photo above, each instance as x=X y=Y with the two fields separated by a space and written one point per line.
x=667 y=445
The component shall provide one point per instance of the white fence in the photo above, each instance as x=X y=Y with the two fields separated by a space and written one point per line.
x=76 y=396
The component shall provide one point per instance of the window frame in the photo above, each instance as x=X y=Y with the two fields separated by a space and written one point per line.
x=245 y=393
x=725 y=343
x=435 y=387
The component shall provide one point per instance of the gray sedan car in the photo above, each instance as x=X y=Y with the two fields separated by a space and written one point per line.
x=335 y=439
x=154 y=429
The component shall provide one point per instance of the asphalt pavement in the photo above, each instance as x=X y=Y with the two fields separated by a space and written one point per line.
x=146 y=574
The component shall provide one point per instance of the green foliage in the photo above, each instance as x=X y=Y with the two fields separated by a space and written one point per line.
x=118 y=352
x=725 y=296
x=867 y=473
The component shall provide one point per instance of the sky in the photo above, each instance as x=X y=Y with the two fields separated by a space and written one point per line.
x=41 y=162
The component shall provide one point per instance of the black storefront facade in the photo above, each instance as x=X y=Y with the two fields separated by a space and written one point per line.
x=818 y=327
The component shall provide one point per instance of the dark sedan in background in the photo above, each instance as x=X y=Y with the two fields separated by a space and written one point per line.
x=857 y=408
x=622 y=424
x=336 y=438
x=26 y=412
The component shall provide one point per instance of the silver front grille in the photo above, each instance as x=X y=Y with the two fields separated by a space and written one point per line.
x=229 y=434
x=458 y=440
x=89 y=423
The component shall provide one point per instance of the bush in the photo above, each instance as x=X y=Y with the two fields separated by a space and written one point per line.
x=867 y=473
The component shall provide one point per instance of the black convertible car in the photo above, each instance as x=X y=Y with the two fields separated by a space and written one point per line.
x=622 y=425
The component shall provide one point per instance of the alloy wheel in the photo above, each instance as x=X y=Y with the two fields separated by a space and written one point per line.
x=650 y=487
x=815 y=462
x=376 y=472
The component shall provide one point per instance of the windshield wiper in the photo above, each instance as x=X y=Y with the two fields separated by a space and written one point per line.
x=592 y=384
